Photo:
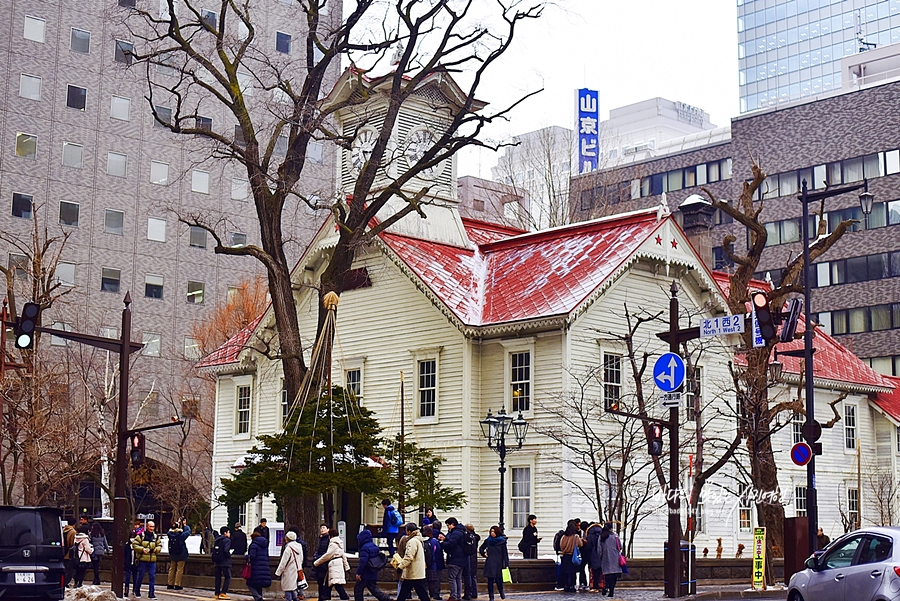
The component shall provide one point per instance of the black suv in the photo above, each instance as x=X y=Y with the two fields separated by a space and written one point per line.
x=31 y=553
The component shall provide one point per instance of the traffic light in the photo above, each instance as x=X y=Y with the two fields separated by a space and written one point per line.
x=26 y=324
x=764 y=317
x=789 y=322
x=656 y=443
x=137 y=449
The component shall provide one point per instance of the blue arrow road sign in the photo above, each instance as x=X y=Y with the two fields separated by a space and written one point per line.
x=668 y=372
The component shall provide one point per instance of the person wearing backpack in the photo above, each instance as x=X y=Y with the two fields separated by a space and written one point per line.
x=221 y=558
x=390 y=524
x=560 y=577
x=178 y=553
x=470 y=570
x=567 y=545
x=452 y=544
x=368 y=569
x=434 y=568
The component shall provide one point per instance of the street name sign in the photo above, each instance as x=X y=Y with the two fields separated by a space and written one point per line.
x=670 y=400
x=721 y=326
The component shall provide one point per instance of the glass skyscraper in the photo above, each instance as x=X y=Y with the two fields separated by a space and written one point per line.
x=792 y=49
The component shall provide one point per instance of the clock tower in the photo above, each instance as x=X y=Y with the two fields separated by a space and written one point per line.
x=421 y=121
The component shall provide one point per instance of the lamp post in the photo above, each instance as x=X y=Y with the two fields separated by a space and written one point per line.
x=866 y=201
x=495 y=429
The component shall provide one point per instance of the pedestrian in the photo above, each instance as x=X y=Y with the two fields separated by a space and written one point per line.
x=567 y=543
x=429 y=517
x=496 y=555
x=433 y=572
x=366 y=574
x=131 y=567
x=592 y=553
x=338 y=566
x=413 y=565
x=470 y=573
x=238 y=540
x=83 y=550
x=583 y=568
x=178 y=553
x=258 y=558
x=69 y=559
x=822 y=539
x=530 y=539
x=221 y=558
x=321 y=571
x=263 y=528
x=146 y=547
x=290 y=565
x=101 y=546
x=452 y=544
x=84 y=521
x=390 y=524
x=207 y=535
x=611 y=550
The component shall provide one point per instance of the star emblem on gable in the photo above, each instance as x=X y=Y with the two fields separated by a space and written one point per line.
x=659 y=239
x=674 y=243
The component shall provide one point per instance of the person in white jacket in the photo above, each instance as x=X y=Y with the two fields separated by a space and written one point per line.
x=288 y=568
x=337 y=566
x=83 y=554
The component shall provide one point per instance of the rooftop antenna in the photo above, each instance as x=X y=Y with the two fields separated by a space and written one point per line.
x=863 y=44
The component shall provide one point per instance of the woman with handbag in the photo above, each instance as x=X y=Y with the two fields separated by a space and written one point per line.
x=258 y=560
x=610 y=562
x=568 y=543
x=496 y=555
x=289 y=569
x=334 y=558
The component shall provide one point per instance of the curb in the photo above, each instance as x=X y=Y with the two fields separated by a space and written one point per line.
x=767 y=594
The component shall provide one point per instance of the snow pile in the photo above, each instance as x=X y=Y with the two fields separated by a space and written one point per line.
x=89 y=593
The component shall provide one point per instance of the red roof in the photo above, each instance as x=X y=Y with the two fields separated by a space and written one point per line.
x=229 y=352
x=889 y=402
x=529 y=276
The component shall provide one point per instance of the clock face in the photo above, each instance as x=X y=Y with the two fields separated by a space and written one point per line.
x=362 y=148
x=418 y=142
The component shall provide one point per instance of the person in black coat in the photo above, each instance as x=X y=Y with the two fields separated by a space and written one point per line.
x=258 y=558
x=238 y=540
x=366 y=576
x=496 y=555
x=452 y=544
x=222 y=562
x=530 y=539
x=322 y=570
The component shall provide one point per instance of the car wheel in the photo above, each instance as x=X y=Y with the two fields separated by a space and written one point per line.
x=795 y=596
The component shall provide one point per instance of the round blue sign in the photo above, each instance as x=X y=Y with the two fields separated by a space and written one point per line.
x=801 y=453
x=668 y=372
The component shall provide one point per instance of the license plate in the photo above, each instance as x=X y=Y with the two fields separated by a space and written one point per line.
x=25 y=578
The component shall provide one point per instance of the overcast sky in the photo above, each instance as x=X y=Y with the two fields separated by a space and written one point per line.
x=628 y=50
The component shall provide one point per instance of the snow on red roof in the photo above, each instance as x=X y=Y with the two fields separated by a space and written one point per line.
x=889 y=402
x=527 y=276
x=231 y=350
x=832 y=361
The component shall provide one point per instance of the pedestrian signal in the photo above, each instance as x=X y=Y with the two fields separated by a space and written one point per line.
x=656 y=443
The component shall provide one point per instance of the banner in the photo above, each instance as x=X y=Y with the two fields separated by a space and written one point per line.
x=588 y=134
x=759 y=558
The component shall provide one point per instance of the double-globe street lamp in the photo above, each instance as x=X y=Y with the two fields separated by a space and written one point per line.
x=811 y=428
x=495 y=429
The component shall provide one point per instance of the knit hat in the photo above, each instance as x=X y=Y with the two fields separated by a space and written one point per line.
x=290 y=535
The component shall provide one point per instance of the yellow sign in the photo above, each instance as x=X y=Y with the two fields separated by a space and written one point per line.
x=759 y=558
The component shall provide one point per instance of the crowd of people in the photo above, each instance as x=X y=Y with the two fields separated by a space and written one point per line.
x=589 y=554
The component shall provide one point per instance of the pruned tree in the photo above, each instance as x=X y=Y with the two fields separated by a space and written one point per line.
x=414 y=476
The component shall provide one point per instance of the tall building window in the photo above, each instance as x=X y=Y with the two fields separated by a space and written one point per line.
x=612 y=380
x=65 y=273
x=285 y=404
x=73 y=155
x=156 y=229
x=209 y=18
x=204 y=123
x=197 y=237
x=849 y=426
x=109 y=279
x=163 y=116
x=20 y=264
x=26 y=145
x=238 y=240
x=800 y=501
x=80 y=41
x=76 y=97
x=521 y=496
x=116 y=164
x=200 y=181
x=191 y=349
x=22 y=205
x=120 y=108
x=694 y=396
x=240 y=189
x=520 y=380
x=152 y=343
x=195 y=293
x=427 y=388
x=153 y=286
x=34 y=29
x=30 y=86
x=243 y=410
x=159 y=173
x=282 y=42
x=114 y=222
x=124 y=52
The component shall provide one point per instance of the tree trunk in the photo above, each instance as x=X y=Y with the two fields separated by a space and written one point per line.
x=303 y=512
x=768 y=503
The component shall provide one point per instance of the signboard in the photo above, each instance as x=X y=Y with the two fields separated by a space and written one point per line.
x=759 y=558
x=668 y=372
x=588 y=132
x=801 y=453
x=670 y=400
x=758 y=341
x=721 y=326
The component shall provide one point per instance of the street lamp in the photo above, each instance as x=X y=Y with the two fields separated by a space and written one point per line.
x=495 y=428
x=810 y=431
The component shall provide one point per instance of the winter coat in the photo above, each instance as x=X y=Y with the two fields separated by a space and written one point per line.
x=437 y=561
x=146 y=545
x=413 y=562
x=258 y=558
x=178 y=543
x=387 y=523
x=69 y=536
x=100 y=544
x=593 y=552
x=609 y=562
x=453 y=547
x=529 y=539
x=367 y=550
x=337 y=562
x=239 y=542
x=567 y=544
x=225 y=543
x=291 y=561
x=83 y=541
x=321 y=549
x=496 y=555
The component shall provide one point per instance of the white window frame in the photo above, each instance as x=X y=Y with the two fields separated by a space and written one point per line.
x=238 y=383
x=153 y=229
x=159 y=173
x=110 y=156
x=510 y=347
x=193 y=294
x=418 y=356
x=285 y=405
x=119 y=281
x=745 y=509
x=38 y=28
x=118 y=104
x=72 y=31
x=77 y=205
x=853 y=515
x=689 y=394
x=603 y=383
x=151 y=279
x=200 y=181
x=106 y=214
x=22 y=139
x=797 y=421
x=65 y=273
x=851 y=427
x=354 y=364
x=78 y=149
x=800 y=500
x=33 y=80
x=517 y=515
